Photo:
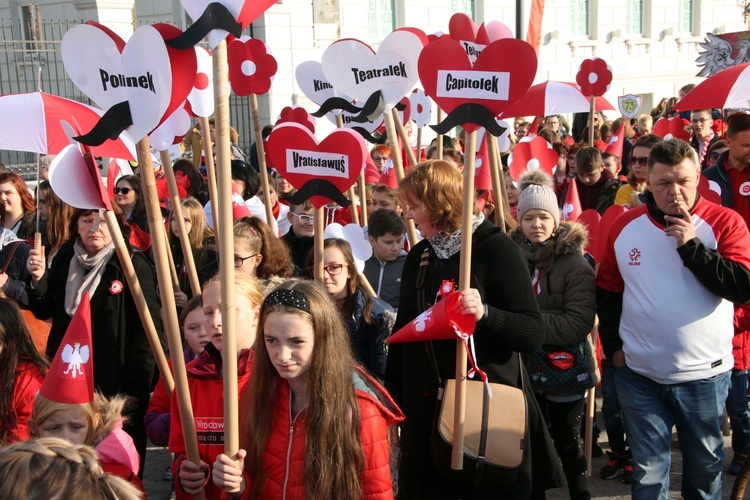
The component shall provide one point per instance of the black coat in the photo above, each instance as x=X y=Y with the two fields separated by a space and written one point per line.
x=514 y=324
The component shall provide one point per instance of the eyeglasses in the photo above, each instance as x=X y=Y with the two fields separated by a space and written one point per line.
x=640 y=160
x=331 y=269
x=238 y=261
x=124 y=191
x=304 y=219
x=699 y=121
x=380 y=158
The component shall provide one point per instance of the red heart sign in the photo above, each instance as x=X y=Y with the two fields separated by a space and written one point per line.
x=502 y=73
x=295 y=153
x=530 y=156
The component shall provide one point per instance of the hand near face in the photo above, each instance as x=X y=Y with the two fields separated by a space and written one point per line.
x=682 y=229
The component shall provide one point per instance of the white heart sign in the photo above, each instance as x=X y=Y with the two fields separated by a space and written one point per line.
x=201 y=98
x=356 y=70
x=141 y=74
x=314 y=83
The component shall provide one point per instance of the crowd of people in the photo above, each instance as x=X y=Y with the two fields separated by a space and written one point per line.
x=327 y=405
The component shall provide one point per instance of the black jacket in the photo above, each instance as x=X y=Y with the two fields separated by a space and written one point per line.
x=514 y=324
x=299 y=247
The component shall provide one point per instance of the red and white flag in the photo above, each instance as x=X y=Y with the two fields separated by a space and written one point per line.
x=571 y=209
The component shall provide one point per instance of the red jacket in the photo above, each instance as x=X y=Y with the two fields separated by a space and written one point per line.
x=284 y=457
x=207 y=398
x=741 y=339
x=28 y=381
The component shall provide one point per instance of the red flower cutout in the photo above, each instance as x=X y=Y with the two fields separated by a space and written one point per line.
x=251 y=67
x=667 y=128
x=116 y=287
x=297 y=114
x=594 y=77
x=446 y=287
x=532 y=155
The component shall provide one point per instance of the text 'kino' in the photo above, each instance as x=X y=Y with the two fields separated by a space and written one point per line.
x=321 y=85
x=361 y=75
x=144 y=81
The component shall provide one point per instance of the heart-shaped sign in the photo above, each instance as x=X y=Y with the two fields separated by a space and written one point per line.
x=502 y=73
x=675 y=127
x=76 y=180
x=171 y=130
x=463 y=29
x=352 y=67
x=592 y=220
x=297 y=114
x=532 y=155
x=314 y=84
x=421 y=108
x=321 y=172
x=364 y=128
x=201 y=98
x=244 y=11
x=152 y=78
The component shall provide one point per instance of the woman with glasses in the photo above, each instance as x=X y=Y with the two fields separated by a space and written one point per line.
x=380 y=154
x=258 y=252
x=369 y=320
x=629 y=194
x=128 y=197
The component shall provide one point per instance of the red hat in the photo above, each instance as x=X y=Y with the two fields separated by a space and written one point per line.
x=70 y=379
x=239 y=207
x=440 y=322
x=571 y=209
x=388 y=177
x=616 y=143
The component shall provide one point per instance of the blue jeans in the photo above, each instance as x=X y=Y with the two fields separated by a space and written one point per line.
x=651 y=410
x=739 y=414
x=611 y=409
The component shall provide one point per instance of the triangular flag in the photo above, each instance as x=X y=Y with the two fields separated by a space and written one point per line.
x=239 y=207
x=572 y=207
x=616 y=143
x=117 y=168
x=388 y=177
x=70 y=379
x=533 y=128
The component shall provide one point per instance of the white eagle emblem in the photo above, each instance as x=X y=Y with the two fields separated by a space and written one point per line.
x=420 y=323
x=76 y=356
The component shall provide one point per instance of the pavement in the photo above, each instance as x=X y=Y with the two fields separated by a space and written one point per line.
x=158 y=459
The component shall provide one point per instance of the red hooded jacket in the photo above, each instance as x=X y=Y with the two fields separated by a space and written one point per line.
x=28 y=382
x=207 y=398
x=284 y=457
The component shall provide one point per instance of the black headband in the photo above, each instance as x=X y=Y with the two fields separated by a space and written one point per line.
x=289 y=298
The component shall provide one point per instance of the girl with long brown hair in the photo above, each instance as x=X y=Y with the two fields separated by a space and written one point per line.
x=57 y=214
x=257 y=251
x=315 y=424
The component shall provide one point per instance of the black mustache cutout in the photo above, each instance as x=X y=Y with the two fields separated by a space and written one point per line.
x=110 y=125
x=216 y=16
x=319 y=187
x=335 y=103
x=470 y=113
x=369 y=137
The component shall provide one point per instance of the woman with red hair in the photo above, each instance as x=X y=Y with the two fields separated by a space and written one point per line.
x=19 y=205
x=380 y=154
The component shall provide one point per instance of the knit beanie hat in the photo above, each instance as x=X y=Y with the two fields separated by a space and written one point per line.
x=537 y=192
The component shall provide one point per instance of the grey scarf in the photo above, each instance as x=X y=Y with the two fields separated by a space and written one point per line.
x=84 y=274
x=448 y=244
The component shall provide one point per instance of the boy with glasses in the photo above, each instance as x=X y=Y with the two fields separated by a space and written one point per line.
x=299 y=238
x=701 y=122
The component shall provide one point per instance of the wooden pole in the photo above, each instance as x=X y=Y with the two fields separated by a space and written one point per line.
x=140 y=301
x=350 y=192
x=188 y=262
x=172 y=267
x=440 y=136
x=588 y=440
x=226 y=256
x=419 y=143
x=213 y=194
x=390 y=126
x=363 y=196
x=260 y=148
x=318 y=239
x=169 y=312
x=500 y=195
x=591 y=121
x=464 y=282
x=404 y=137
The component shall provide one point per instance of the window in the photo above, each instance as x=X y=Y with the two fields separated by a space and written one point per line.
x=686 y=16
x=580 y=19
x=465 y=6
x=635 y=17
x=380 y=19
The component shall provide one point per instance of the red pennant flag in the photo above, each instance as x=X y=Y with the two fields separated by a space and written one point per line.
x=482 y=174
x=440 y=322
x=70 y=379
x=572 y=206
x=533 y=128
x=239 y=207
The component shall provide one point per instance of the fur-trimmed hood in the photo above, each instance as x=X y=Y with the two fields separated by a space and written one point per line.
x=569 y=238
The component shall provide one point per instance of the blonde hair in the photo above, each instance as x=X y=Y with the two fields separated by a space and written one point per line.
x=102 y=415
x=244 y=285
x=52 y=468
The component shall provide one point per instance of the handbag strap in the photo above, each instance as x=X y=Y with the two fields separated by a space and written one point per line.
x=13 y=248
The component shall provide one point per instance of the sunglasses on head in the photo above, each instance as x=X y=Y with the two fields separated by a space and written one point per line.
x=640 y=160
x=122 y=190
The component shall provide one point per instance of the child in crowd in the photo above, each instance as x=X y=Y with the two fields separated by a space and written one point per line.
x=385 y=197
x=597 y=187
x=67 y=406
x=157 y=417
x=258 y=252
x=299 y=238
x=307 y=399
x=278 y=209
x=22 y=370
x=207 y=387
x=383 y=269
x=54 y=468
